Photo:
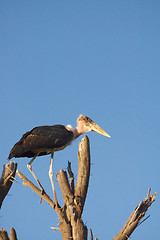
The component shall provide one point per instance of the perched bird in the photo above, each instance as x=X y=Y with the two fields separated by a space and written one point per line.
x=45 y=140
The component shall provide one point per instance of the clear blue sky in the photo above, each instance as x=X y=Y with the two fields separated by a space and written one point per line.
x=99 y=58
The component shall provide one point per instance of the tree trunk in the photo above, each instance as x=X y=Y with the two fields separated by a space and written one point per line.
x=71 y=224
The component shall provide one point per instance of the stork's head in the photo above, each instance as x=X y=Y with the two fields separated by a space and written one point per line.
x=85 y=124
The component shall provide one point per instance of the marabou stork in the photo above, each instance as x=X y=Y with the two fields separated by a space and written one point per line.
x=45 y=140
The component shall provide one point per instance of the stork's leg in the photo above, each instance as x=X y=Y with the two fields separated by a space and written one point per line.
x=51 y=177
x=34 y=175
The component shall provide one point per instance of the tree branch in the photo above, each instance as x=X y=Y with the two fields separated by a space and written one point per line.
x=7 y=179
x=13 y=235
x=91 y=234
x=65 y=186
x=83 y=174
x=4 y=235
x=135 y=217
x=35 y=189
x=71 y=175
x=73 y=204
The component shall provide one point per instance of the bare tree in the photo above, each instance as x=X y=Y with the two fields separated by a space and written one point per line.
x=74 y=196
x=71 y=224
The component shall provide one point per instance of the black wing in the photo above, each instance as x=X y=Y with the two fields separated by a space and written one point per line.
x=42 y=138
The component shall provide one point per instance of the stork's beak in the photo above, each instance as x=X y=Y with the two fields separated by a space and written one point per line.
x=96 y=128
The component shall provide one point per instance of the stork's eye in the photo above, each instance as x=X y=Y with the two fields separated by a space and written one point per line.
x=84 y=119
x=88 y=120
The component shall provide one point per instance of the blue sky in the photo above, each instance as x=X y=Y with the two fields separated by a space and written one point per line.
x=99 y=58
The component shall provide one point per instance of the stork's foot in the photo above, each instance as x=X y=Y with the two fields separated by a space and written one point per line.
x=43 y=192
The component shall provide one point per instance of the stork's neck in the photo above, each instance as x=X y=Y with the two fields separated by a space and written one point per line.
x=79 y=130
x=75 y=131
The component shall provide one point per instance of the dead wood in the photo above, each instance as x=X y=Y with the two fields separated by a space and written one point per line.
x=91 y=235
x=7 y=179
x=71 y=175
x=83 y=174
x=71 y=224
x=13 y=235
x=36 y=190
x=135 y=217
x=4 y=235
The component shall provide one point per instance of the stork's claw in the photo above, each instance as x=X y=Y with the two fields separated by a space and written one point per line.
x=43 y=192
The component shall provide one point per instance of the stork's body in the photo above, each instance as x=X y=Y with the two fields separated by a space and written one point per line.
x=48 y=139
x=42 y=141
